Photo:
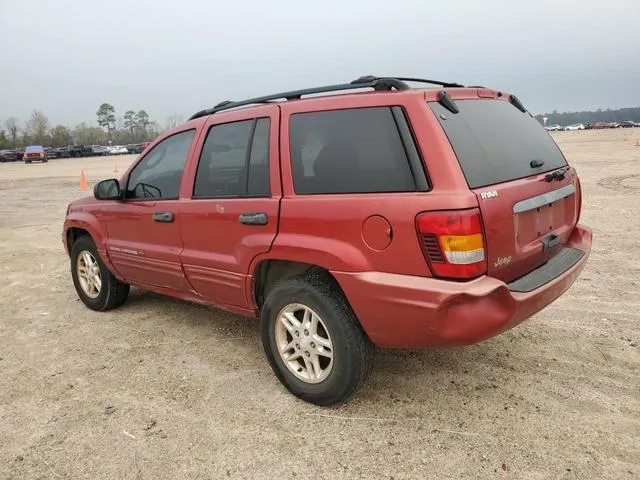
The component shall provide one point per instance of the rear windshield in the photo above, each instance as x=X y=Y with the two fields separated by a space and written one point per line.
x=495 y=142
x=33 y=149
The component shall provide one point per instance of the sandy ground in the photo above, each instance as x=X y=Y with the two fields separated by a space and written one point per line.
x=167 y=389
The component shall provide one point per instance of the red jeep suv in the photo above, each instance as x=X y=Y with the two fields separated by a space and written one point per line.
x=390 y=217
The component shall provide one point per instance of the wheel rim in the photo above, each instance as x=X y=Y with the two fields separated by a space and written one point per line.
x=89 y=275
x=304 y=343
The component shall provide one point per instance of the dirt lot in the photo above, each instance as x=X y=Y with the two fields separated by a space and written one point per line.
x=166 y=389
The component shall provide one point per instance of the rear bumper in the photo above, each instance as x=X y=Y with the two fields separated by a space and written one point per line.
x=402 y=311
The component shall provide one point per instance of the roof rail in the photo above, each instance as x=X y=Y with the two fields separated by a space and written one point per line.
x=372 y=82
x=409 y=79
x=369 y=81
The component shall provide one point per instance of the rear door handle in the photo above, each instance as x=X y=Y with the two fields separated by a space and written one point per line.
x=253 y=218
x=162 y=217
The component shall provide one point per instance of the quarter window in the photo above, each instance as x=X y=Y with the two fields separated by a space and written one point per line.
x=348 y=151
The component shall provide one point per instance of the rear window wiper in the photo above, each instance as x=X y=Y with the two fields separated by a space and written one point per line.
x=536 y=163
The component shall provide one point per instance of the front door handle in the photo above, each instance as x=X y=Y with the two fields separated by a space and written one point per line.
x=162 y=217
x=253 y=218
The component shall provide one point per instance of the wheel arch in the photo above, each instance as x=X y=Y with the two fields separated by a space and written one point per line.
x=80 y=225
x=72 y=234
x=268 y=272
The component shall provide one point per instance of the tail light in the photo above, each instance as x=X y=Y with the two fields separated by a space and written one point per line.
x=453 y=243
x=578 y=198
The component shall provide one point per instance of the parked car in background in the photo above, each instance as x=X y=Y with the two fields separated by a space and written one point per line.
x=63 y=152
x=8 y=156
x=51 y=153
x=628 y=124
x=137 y=147
x=117 y=150
x=575 y=126
x=553 y=128
x=98 y=150
x=600 y=125
x=76 y=151
x=432 y=246
x=35 y=153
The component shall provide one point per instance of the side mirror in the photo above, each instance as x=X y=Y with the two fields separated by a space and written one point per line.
x=107 y=190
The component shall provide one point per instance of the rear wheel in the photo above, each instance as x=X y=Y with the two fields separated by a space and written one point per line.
x=96 y=286
x=313 y=341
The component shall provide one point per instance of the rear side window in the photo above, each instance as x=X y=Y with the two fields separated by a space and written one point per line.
x=495 y=142
x=348 y=151
x=234 y=161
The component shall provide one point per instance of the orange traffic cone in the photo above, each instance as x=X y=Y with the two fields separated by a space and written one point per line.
x=83 y=181
x=115 y=168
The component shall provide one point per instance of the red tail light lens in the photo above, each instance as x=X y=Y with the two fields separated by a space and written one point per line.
x=578 y=198
x=453 y=243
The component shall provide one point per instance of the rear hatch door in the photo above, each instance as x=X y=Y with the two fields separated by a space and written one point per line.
x=528 y=195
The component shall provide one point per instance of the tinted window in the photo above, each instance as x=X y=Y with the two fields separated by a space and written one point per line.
x=259 y=160
x=495 y=142
x=348 y=151
x=158 y=174
x=234 y=160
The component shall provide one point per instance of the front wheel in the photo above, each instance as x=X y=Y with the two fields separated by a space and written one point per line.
x=96 y=286
x=313 y=341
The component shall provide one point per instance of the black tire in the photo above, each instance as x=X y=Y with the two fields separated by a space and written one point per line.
x=353 y=352
x=113 y=293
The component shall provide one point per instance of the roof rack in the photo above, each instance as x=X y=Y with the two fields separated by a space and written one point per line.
x=368 y=81
x=410 y=79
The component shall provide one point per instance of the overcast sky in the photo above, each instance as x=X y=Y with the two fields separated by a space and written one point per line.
x=66 y=57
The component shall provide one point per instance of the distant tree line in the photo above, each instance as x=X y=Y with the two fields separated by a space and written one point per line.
x=137 y=127
x=608 y=115
x=132 y=127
